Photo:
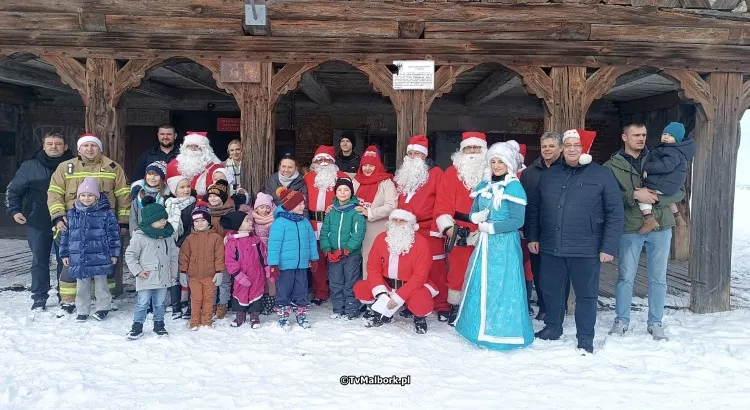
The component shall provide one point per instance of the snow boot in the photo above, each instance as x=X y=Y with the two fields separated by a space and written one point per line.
x=136 y=331
x=369 y=313
x=283 y=313
x=254 y=320
x=159 y=329
x=302 y=317
x=221 y=311
x=239 y=319
x=420 y=325
x=548 y=334
x=335 y=316
x=176 y=311
x=113 y=306
x=453 y=315
x=377 y=320
x=406 y=313
x=101 y=314
x=649 y=224
x=585 y=348
x=657 y=331
x=66 y=309
x=40 y=304
x=443 y=316
x=540 y=316
x=82 y=318
x=188 y=312
x=318 y=301
x=618 y=328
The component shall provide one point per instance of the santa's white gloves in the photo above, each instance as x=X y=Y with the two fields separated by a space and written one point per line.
x=217 y=278
x=183 y=279
x=487 y=227
x=480 y=216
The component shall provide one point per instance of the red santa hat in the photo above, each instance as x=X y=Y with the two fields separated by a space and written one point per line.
x=324 y=152
x=587 y=140
x=88 y=137
x=473 y=139
x=404 y=215
x=418 y=143
x=199 y=138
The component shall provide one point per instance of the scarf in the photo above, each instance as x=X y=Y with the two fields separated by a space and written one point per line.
x=174 y=211
x=222 y=209
x=262 y=220
x=368 y=185
x=154 y=233
x=80 y=207
x=285 y=181
x=292 y=217
x=353 y=202
x=141 y=186
x=51 y=163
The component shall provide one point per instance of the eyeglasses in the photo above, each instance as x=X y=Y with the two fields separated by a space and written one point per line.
x=572 y=146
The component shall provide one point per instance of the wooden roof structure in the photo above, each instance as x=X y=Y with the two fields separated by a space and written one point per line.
x=568 y=53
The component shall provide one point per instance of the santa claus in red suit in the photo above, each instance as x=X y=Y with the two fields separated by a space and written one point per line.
x=417 y=181
x=398 y=269
x=320 y=182
x=196 y=161
x=453 y=206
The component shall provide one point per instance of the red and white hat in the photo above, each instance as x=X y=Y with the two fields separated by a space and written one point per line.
x=404 y=215
x=473 y=139
x=324 y=152
x=199 y=138
x=88 y=137
x=587 y=140
x=418 y=143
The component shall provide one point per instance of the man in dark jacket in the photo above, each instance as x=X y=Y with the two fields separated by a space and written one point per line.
x=551 y=147
x=347 y=160
x=576 y=223
x=165 y=151
x=26 y=199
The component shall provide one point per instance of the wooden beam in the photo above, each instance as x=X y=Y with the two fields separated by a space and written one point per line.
x=696 y=89
x=71 y=72
x=507 y=31
x=745 y=104
x=195 y=76
x=40 y=21
x=159 y=90
x=633 y=78
x=338 y=29
x=15 y=73
x=445 y=77
x=694 y=35
x=314 y=89
x=410 y=29
x=493 y=86
x=187 y=25
x=131 y=75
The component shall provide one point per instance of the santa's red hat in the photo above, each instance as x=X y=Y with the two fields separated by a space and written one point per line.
x=473 y=139
x=587 y=140
x=324 y=152
x=199 y=138
x=418 y=143
x=88 y=137
x=406 y=216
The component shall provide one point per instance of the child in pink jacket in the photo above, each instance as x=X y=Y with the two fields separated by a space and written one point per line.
x=245 y=259
x=262 y=219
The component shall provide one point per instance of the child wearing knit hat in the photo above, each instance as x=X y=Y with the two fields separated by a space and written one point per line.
x=220 y=204
x=153 y=185
x=202 y=266
x=665 y=170
x=153 y=258
x=179 y=206
x=292 y=249
x=90 y=247
x=263 y=210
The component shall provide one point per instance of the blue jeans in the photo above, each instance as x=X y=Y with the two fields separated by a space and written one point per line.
x=156 y=297
x=657 y=251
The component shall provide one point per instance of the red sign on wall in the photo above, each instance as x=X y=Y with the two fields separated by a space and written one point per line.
x=228 y=124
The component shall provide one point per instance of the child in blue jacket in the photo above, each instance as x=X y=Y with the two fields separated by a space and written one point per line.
x=292 y=248
x=90 y=247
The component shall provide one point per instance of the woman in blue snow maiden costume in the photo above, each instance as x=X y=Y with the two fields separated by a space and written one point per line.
x=493 y=311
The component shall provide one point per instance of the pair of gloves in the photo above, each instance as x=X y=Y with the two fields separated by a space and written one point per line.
x=335 y=256
x=183 y=279
x=480 y=218
x=274 y=271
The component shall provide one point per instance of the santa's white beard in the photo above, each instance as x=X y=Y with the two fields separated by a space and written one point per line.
x=325 y=175
x=191 y=163
x=470 y=167
x=411 y=175
x=399 y=239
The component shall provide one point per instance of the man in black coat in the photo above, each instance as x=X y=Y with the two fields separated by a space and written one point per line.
x=551 y=149
x=347 y=160
x=26 y=200
x=166 y=150
x=576 y=219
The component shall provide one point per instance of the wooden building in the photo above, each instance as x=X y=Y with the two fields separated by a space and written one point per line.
x=512 y=68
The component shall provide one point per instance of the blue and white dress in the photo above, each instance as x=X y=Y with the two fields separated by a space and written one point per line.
x=494 y=311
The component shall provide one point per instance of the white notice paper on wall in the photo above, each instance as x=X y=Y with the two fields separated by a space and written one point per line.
x=414 y=75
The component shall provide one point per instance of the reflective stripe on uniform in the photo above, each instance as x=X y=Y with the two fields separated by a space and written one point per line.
x=56 y=189
x=108 y=175
x=122 y=191
x=56 y=207
x=68 y=290
x=124 y=212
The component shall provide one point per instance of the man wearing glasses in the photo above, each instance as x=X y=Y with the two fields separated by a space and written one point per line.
x=575 y=223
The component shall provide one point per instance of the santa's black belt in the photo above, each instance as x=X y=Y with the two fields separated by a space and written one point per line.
x=317 y=216
x=462 y=217
x=394 y=283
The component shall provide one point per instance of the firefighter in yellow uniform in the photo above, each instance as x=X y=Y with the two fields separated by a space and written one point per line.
x=61 y=197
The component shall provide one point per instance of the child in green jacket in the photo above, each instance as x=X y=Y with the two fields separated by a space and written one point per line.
x=341 y=241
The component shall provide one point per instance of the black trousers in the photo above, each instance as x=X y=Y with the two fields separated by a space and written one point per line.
x=254 y=307
x=40 y=243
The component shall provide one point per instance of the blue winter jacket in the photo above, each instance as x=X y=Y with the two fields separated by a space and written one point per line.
x=291 y=244
x=92 y=238
x=576 y=212
x=666 y=166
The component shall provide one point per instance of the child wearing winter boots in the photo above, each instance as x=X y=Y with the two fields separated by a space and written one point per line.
x=202 y=266
x=220 y=204
x=152 y=257
x=90 y=248
x=179 y=208
x=153 y=184
x=341 y=241
x=245 y=260
x=292 y=248
x=263 y=210
x=665 y=170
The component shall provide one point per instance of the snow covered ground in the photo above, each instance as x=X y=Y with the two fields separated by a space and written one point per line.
x=57 y=363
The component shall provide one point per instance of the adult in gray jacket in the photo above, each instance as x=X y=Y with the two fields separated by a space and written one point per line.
x=289 y=177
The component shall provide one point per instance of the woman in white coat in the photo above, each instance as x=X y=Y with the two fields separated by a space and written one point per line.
x=377 y=193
